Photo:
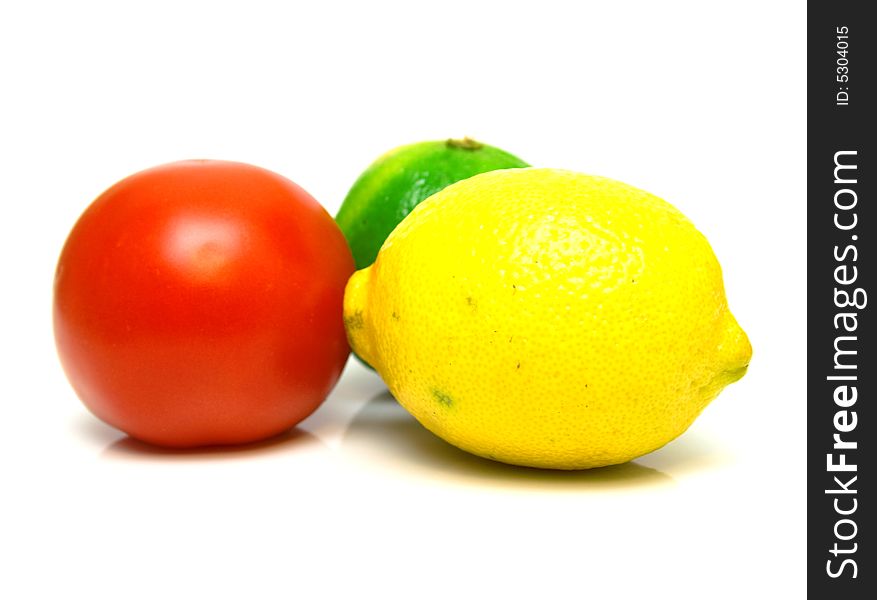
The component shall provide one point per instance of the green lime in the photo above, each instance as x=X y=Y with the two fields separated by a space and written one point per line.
x=401 y=179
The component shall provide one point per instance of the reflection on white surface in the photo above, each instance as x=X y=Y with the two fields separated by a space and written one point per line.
x=379 y=436
x=690 y=453
x=115 y=445
x=290 y=441
x=384 y=434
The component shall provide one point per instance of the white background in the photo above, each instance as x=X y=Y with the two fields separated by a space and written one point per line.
x=700 y=103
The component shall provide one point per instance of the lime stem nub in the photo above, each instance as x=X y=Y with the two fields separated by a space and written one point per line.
x=466 y=143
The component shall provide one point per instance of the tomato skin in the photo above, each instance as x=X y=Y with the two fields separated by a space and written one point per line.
x=200 y=303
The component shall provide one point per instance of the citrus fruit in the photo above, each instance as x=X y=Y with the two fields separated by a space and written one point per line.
x=402 y=178
x=547 y=318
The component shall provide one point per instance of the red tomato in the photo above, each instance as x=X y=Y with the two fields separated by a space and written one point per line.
x=200 y=303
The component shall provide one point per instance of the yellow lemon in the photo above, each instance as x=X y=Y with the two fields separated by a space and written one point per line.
x=547 y=318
